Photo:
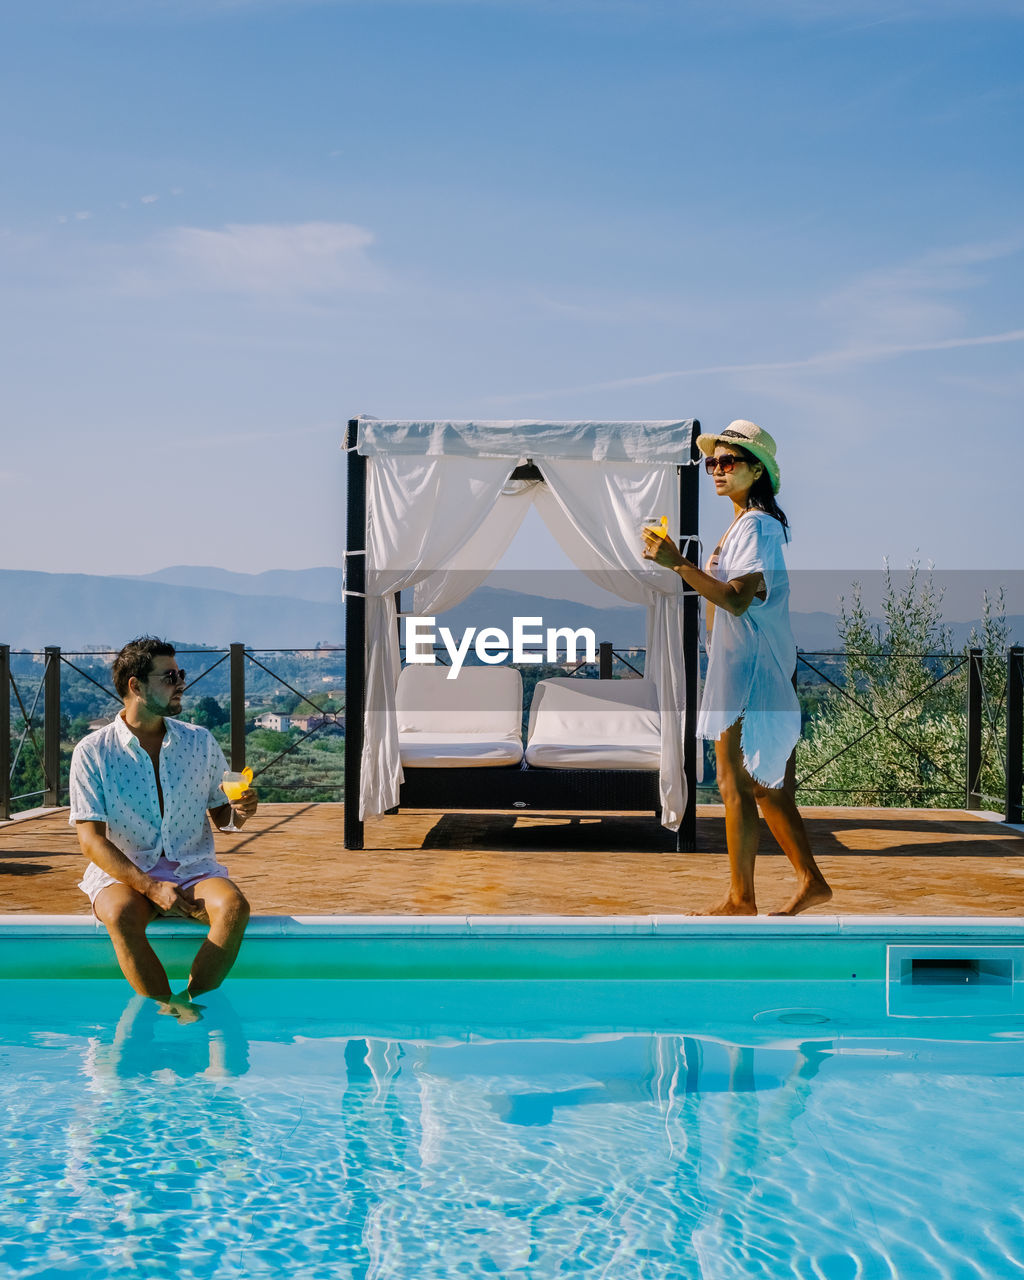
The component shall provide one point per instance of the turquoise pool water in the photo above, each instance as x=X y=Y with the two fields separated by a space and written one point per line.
x=425 y=1129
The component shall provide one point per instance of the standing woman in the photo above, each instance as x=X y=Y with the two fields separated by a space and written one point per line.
x=749 y=708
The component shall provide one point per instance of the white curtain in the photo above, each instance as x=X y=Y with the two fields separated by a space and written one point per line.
x=595 y=513
x=472 y=564
x=599 y=441
x=440 y=524
x=424 y=516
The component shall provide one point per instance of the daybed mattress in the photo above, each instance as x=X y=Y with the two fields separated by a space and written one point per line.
x=643 y=753
x=473 y=721
x=594 y=724
x=457 y=751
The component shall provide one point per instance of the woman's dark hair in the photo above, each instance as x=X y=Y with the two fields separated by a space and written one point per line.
x=761 y=496
x=136 y=659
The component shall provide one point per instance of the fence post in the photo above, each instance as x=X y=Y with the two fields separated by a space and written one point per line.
x=355 y=636
x=51 y=727
x=1015 y=735
x=236 y=664
x=5 y=732
x=975 y=697
x=604 y=660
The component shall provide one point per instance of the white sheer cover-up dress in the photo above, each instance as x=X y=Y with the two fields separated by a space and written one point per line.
x=752 y=657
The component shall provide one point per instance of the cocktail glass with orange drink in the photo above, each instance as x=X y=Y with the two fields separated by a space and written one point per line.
x=657 y=525
x=234 y=785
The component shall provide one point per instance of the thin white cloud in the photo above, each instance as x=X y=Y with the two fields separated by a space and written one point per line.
x=917 y=300
x=85 y=215
x=311 y=262
x=1007 y=385
x=300 y=258
x=884 y=314
x=971 y=254
x=823 y=360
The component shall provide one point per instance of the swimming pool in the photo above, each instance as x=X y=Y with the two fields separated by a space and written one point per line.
x=656 y=1126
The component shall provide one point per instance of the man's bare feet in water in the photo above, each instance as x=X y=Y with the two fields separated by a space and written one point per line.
x=182 y=1008
x=730 y=907
x=810 y=894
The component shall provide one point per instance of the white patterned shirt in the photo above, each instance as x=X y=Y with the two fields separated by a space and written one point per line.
x=113 y=781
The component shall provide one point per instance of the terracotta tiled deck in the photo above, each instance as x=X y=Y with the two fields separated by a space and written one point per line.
x=291 y=860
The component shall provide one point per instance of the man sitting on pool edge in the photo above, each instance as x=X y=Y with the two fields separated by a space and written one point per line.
x=140 y=790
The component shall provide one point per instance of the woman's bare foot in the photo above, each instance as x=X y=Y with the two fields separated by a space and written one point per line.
x=812 y=894
x=730 y=907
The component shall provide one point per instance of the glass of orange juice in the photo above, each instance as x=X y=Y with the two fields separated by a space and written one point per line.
x=234 y=785
x=657 y=525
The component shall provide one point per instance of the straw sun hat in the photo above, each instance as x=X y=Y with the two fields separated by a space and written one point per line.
x=748 y=436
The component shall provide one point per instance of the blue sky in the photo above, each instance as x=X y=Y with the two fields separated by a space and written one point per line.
x=226 y=227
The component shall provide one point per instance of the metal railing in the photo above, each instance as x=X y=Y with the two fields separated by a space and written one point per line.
x=36 y=738
x=991 y=709
x=891 y=721
x=1015 y=735
x=36 y=735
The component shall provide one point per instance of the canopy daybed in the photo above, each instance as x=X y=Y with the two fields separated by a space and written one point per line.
x=433 y=506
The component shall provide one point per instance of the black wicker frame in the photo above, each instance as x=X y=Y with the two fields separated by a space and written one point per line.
x=523 y=788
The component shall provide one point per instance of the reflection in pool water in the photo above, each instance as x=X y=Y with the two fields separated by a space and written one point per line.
x=272 y=1138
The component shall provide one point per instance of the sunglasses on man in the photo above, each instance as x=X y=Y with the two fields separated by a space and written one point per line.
x=174 y=676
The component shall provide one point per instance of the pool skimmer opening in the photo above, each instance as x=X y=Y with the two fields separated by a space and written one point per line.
x=954 y=981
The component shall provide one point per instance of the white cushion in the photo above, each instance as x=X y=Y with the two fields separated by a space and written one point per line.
x=457 y=750
x=474 y=719
x=487 y=700
x=594 y=724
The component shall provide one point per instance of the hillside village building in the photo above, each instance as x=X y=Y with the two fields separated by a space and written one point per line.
x=307 y=723
x=277 y=721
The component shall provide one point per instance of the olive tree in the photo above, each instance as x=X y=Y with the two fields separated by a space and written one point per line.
x=895 y=730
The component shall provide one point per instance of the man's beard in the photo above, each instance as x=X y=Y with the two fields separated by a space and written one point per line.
x=172 y=708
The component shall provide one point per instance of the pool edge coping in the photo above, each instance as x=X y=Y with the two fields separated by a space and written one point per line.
x=479 y=927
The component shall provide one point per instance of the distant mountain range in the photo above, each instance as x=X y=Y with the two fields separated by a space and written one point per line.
x=318 y=586
x=284 y=608
x=78 y=609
